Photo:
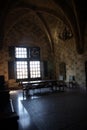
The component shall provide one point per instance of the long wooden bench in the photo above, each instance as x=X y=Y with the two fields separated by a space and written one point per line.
x=52 y=84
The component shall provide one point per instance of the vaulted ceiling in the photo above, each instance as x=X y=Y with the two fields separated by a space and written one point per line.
x=38 y=20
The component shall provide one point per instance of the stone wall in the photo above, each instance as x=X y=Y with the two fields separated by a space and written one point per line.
x=75 y=63
x=64 y=51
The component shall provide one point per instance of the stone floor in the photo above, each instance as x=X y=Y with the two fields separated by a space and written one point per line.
x=25 y=120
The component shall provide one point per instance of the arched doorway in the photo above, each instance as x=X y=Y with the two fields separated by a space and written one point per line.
x=62 y=70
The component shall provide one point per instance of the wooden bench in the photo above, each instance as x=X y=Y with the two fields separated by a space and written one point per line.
x=27 y=86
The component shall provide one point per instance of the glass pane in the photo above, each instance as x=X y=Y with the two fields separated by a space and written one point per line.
x=35 y=69
x=21 y=69
x=20 y=52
